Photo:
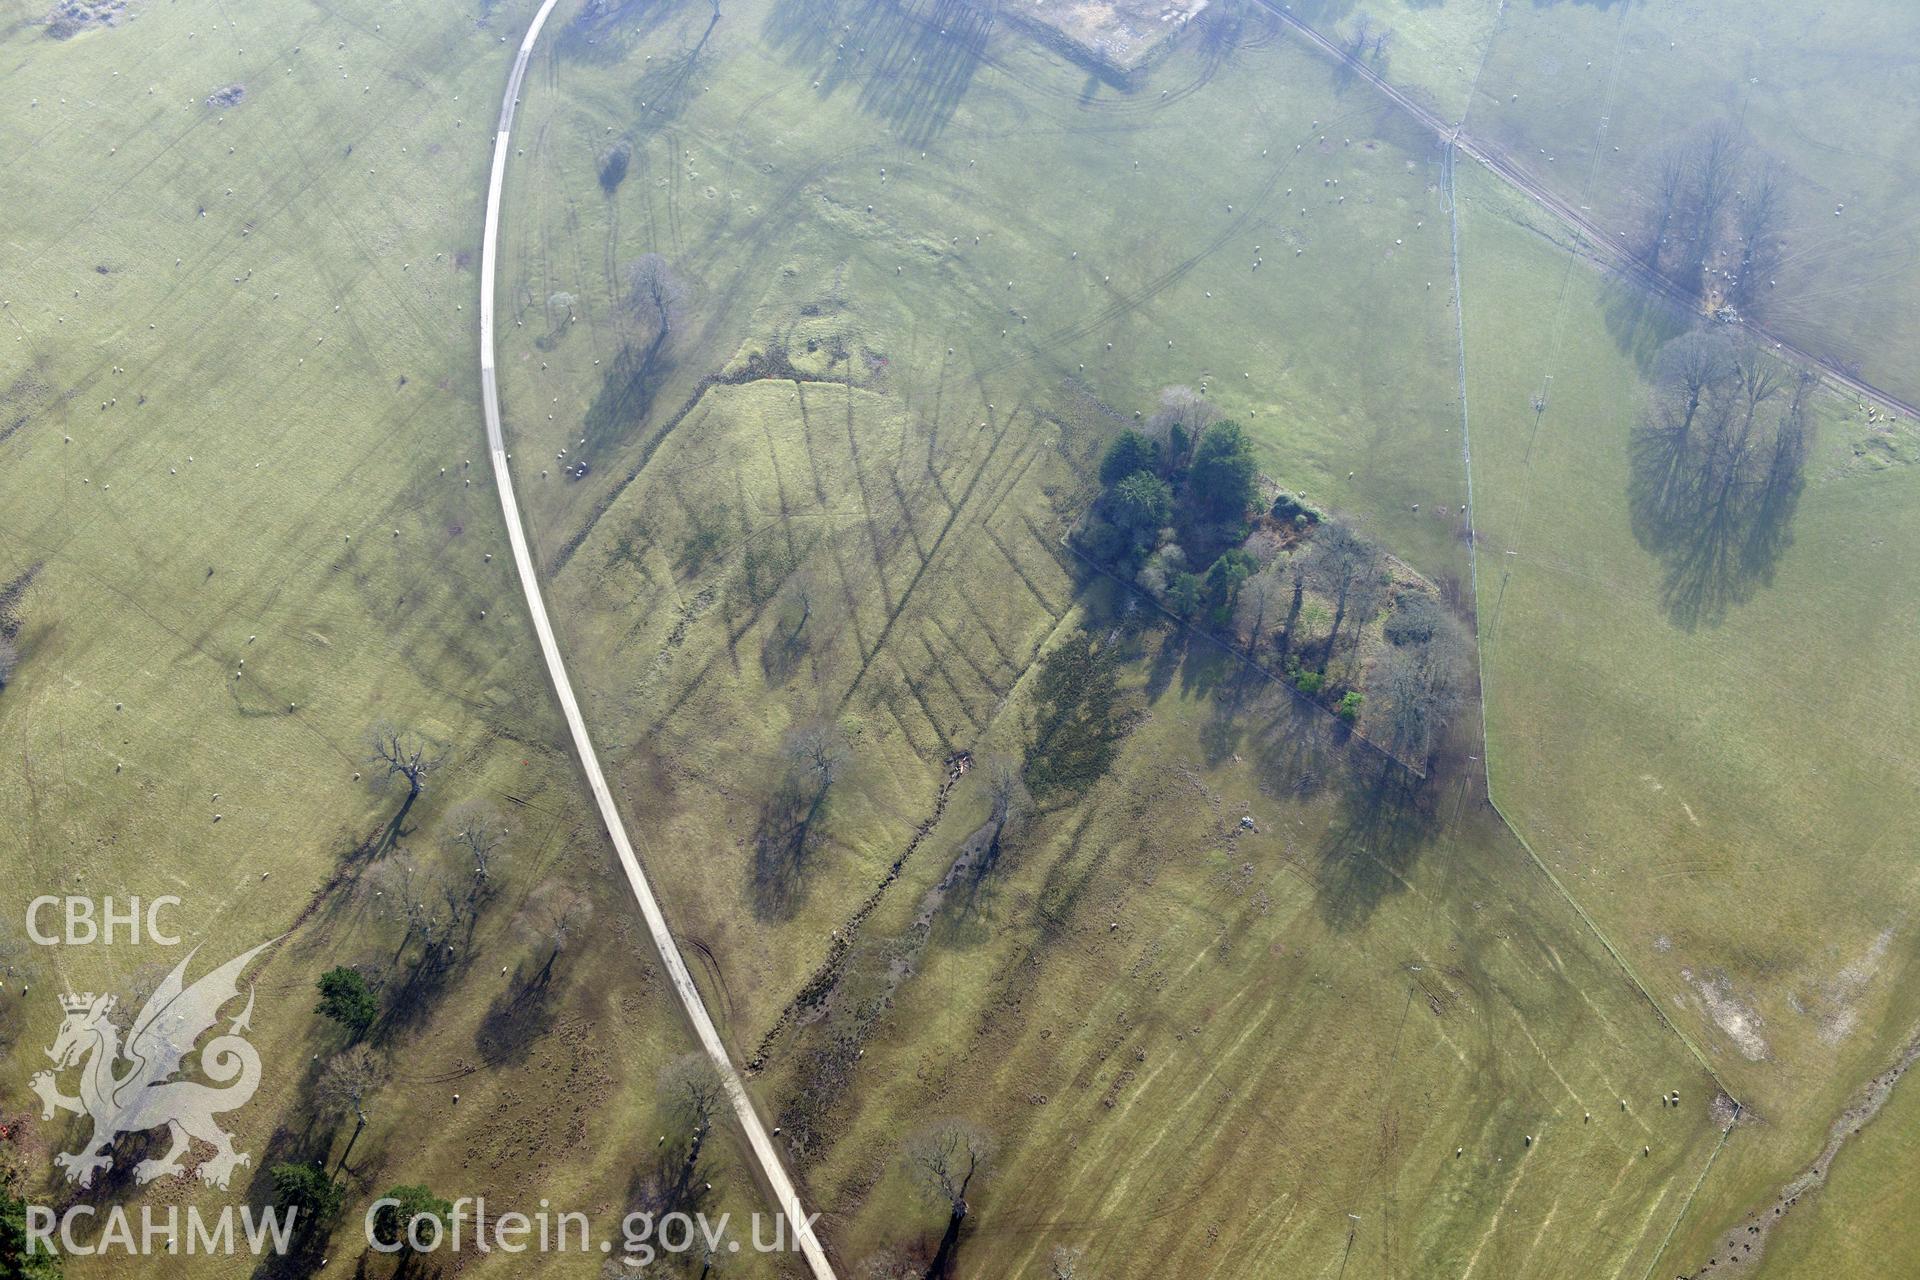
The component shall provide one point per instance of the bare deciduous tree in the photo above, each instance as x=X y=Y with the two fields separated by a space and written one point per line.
x=432 y=908
x=692 y=1095
x=559 y=311
x=476 y=833
x=1347 y=566
x=1259 y=597
x=820 y=753
x=559 y=920
x=1420 y=688
x=346 y=1088
x=1183 y=417
x=943 y=1163
x=9 y=659
x=405 y=755
x=693 y=1092
x=407 y=894
x=654 y=301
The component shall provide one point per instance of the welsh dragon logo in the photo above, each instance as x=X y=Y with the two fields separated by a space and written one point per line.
x=143 y=1094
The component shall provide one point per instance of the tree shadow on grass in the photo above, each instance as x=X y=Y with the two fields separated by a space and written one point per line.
x=1294 y=749
x=517 y=1018
x=310 y=1146
x=1720 y=517
x=625 y=397
x=1167 y=661
x=113 y=1185
x=670 y=81
x=784 y=843
x=1388 y=815
x=673 y=1179
x=1640 y=321
x=781 y=653
x=604 y=31
x=1209 y=668
x=910 y=61
x=1240 y=697
x=1320 y=13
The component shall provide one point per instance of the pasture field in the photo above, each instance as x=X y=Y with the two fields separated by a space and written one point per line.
x=236 y=337
x=1854 y=1224
x=1588 y=99
x=1724 y=800
x=756 y=186
x=816 y=318
x=924 y=497
x=1207 y=1042
x=841 y=432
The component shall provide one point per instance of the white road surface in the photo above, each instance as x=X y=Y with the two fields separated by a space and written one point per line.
x=761 y=1143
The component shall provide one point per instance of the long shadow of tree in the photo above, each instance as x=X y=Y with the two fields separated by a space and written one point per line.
x=1640 y=321
x=1388 y=815
x=517 y=1018
x=308 y=1146
x=650 y=316
x=1365 y=44
x=792 y=819
x=669 y=82
x=1222 y=30
x=912 y=61
x=1240 y=692
x=626 y=396
x=1716 y=473
x=603 y=31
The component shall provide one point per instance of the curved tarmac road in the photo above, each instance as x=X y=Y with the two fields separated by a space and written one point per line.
x=764 y=1154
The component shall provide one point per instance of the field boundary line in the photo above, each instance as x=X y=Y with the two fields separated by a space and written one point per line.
x=759 y=1143
x=1618 y=958
x=1686 y=1206
x=1604 y=251
x=1479 y=648
x=1466 y=461
x=1480 y=662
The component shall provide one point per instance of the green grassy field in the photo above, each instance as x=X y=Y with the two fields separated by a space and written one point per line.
x=1664 y=772
x=1205 y=1043
x=1854 y=1223
x=908 y=471
x=237 y=355
x=756 y=187
x=924 y=269
x=1588 y=98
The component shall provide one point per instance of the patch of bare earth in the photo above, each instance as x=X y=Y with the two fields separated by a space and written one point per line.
x=1736 y=1017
